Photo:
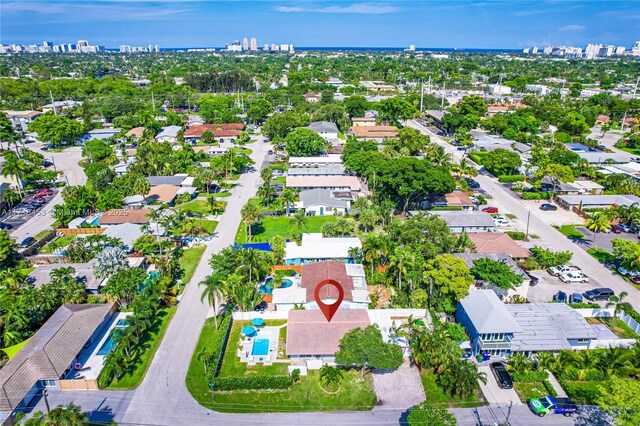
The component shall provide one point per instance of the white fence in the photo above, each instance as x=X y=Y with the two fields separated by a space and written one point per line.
x=595 y=312
x=633 y=324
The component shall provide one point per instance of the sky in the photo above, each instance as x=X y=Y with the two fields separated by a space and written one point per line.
x=203 y=23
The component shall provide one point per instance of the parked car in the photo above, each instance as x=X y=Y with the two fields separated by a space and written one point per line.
x=270 y=152
x=44 y=192
x=628 y=272
x=5 y=225
x=490 y=210
x=502 y=375
x=261 y=306
x=47 y=163
x=560 y=297
x=27 y=242
x=574 y=277
x=576 y=298
x=45 y=147
x=556 y=271
x=552 y=405
x=473 y=184
x=532 y=279
x=22 y=210
x=616 y=229
x=598 y=294
x=548 y=207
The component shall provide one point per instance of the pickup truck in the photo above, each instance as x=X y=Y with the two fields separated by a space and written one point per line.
x=550 y=405
x=556 y=271
x=574 y=277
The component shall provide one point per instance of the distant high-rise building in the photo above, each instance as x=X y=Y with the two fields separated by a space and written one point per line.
x=245 y=44
x=254 y=44
x=620 y=50
x=534 y=50
x=157 y=48
x=547 y=50
x=291 y=47
x=266 y=46
x=525 y=50
x=273 y=46
x=592 y=51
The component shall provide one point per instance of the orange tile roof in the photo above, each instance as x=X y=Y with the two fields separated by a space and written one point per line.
x=309 y=333
x=165 y=192
x=458 y=198
x=118 y=216
x=497 y=242
x=218 y=130
x=136 y=132
x=375 y=131
x=314 y=273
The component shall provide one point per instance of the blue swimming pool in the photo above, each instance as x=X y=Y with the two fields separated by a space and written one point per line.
x=260 y=347
x=267 y=287
x=286 y=283
x=121 y=323
x=108 y=345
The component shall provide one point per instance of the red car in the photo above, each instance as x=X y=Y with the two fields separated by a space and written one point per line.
x=490 y=210
x=43 y=192
x=616 y=229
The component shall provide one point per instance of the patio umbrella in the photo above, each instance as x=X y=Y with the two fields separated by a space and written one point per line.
x=248 y=330
x=257 y=322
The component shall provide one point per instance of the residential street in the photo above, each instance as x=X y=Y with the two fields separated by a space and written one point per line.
x=549 y=237
x=67 y=161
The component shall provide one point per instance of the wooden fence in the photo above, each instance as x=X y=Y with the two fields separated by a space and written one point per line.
x=295 y=268
x=79 y=384
x=79 y=231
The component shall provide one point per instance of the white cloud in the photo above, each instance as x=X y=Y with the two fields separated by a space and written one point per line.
x=357 y=8
x=118 y=10
x=573 y=27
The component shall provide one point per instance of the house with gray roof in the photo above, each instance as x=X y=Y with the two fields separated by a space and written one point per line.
x=323 y=202
x=169 y=134
x=321 y=170
x=166 y=180
x=500 y=329
x=84 y=275
x=464 y=221
x=50 y=354
x=599 y=158
x=326 y=129
x=596 y=201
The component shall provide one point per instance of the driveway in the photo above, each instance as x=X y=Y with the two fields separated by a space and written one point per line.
x=553 y=218
x=548 y=286
x=493 y=393
x=603 y=239
x=398 y=390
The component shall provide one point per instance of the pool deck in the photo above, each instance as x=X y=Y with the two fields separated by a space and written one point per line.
x=89 y=357
x=271 y=333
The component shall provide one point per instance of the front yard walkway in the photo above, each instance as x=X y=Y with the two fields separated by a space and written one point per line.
x=399 y=389
x=556 y=385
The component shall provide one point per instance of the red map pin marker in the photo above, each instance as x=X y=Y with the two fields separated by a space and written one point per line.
x=333 y=290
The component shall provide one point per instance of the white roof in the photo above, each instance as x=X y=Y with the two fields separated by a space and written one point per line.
x=314 y=246
x=169 y=132
x=354 y=269
x=487 y=313
x=327 y=159
x=289 y=295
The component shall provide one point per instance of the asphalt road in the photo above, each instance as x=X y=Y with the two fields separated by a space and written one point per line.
x=599 y=276
x=67 y=161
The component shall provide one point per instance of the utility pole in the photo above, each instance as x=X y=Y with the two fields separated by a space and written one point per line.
x=421 y=93
x=53 y=103
x=46 y=401
x=153 y=102
x=509 y=412
x=526 y=237
x=444 y=90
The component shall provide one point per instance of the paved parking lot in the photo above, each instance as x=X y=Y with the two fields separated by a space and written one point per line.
x=553 y=218
x=17 y=220
x=548 y=286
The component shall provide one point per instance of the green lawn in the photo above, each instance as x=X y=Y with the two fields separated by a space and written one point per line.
x=281 y=225
x=634 y=151
x=511 y=216
x=621 y=329
x=305 y=395
x=40 y=235
x=57 y=243
x=11 y=351
x=195 y=206
x=437 y=396
x=189 y=261
x=149 y=343
x=231 y=365
x=208 y=225
x=280 y=179
x=526 y=391
x=569 y=231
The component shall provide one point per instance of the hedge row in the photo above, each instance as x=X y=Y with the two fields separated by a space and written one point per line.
x=628 y=309
x=251 y=383
x=511 y=178
x=516 y=235
x=584 y=305
x=530 y=376
x=582 y=393
x=550 y=389
x=536 y=195
x=219 y=344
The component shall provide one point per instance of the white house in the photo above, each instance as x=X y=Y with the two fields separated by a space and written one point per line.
x=326 y=129
x=316 y=248
x=321 y=202
x=169 y=134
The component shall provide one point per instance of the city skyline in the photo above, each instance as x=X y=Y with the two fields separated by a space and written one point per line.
x=470 y=24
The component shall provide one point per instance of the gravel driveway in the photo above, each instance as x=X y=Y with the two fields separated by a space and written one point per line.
x=399 y=389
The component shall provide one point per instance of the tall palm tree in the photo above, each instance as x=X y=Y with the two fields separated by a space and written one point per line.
x=10 y=197
x=545 y=359
x=69 y=415
x=374 y=248
x=288 y=197
x=250 y=215
x=614 y=361
x=300 y=222
x=212 y=291
x=252 y=262
x=617 y=303
x=16 y=168
x=598 y=223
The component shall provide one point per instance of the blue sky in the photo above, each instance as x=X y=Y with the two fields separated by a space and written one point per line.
x=185 y=23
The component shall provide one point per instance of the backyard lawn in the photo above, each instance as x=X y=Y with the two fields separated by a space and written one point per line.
x=209 y=227
x=57 y=243
x=437 y=396
x=621 y=329
x=231 y=365
x=149 y=343
x=270 y=226
x=189 y=261
x=195 y=206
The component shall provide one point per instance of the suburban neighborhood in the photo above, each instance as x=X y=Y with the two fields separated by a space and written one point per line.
x=175 y=226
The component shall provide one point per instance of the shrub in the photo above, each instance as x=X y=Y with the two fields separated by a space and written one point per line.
x=584 y=305
x=295 y=375
x=536 y=195
x=628 y=309
x=530 y=376
x=572 y=374
x=550 y=389
x=252 y=383
x=601 y=255
x=547 y=258
x=516 y=235
x=583 y=393
x=511 y=178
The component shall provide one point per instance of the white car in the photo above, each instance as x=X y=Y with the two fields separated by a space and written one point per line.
x=501 y=222
x=574 y=277
x=556 y=271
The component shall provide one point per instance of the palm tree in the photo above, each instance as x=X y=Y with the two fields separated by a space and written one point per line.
x=519 y=363
x=330 y=376
x=398 y=261
x=250 y=214
x=545 y=359
x=299 y=222
x=288 y=197
x=597 y=223
x=14 y=167
x=614 y=361
x=374 y=248
x=616 y=302
x=212 y=290
x=70 y=415
x=253 y=262
x=10 y=197
x=110 y=261
x=204 y=356
x=266 y=192
x=464 y=242
x=266 y=174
